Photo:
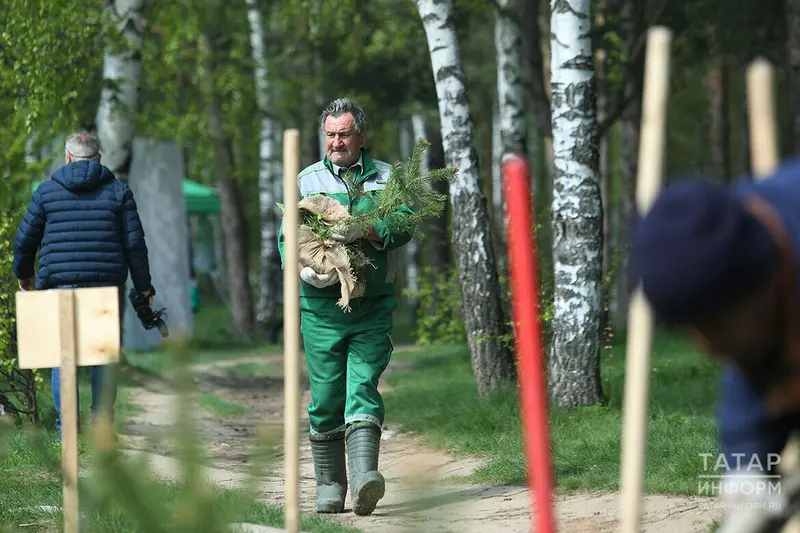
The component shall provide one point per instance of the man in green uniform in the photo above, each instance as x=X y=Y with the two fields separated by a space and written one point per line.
x=346 y=353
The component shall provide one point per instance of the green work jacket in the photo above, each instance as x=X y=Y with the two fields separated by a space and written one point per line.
x=323 y=178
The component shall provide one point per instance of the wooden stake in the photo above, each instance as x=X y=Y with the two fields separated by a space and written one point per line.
x=87 y=322
x=69 y=409
x=761 y=111
x=640 y=319
x=765 y=160
x=291 y=328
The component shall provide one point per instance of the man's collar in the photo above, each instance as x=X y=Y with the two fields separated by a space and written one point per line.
x=359 y=163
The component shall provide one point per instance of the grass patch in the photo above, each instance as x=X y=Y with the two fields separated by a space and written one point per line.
x=31 y=487
x=220 y=407
x=437 y=398
x=31 y=498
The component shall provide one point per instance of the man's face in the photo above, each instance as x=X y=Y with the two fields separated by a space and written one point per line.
x=342 y=143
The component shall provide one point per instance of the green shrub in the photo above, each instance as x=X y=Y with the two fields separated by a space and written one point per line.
x=17 y=386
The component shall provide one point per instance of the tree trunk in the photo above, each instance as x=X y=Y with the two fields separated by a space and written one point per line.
x=629 y=153
x=439 y=250
x=240 y=298
x=508 y=46
x=538 y=74
x=793 y=54
x=720 y=121
x=605 y=181
x=492 y=361
x=413 y=248
x=498 y=214
x=269 y=268
x=574 y=363
x=116 y=114
x=510 y=119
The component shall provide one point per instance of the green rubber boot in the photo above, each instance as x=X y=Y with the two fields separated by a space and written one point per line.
x=330 y=471
x=367 y=485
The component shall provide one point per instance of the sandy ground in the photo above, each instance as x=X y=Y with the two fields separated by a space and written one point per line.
x=424 y=489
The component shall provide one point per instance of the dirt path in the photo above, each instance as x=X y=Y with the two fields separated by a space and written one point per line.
x=423 y=489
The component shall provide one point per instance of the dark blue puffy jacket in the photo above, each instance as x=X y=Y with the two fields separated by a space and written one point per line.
x=745 y=425
x=85 y=225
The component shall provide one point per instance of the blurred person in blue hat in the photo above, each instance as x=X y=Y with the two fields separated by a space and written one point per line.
x=721 y=261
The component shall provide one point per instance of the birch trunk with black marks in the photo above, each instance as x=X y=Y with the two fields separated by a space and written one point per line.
x=269 y=268
x=510 y=101
x=510 y=93
x=122 y=70
x=485 y=325
x=240 y=297
x=574 y=362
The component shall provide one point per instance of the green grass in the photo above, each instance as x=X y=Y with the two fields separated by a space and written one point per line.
x=31 y=488
x=31 y=497
x=220 y=407
x=437 y=398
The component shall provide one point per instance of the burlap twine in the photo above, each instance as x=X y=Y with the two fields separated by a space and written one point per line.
x=327 y=255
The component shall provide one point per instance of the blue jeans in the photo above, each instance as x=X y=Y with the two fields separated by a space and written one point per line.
x=100 y=378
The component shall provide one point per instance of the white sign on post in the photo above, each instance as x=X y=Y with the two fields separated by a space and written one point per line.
x=68 y=328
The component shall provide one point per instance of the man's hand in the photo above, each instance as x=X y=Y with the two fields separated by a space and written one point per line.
x=319 y=281
x=27 y=284
x=149 y=294
x=347 y=233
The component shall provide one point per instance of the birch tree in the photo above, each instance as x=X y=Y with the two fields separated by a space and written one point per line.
x=510 y=91
x=509 y=124
x=122 y=71
x=265 y=308
x=492 y=361
x=574 y=362
x=413 y=248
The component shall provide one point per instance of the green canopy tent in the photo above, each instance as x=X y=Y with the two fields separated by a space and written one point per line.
x=200 y=198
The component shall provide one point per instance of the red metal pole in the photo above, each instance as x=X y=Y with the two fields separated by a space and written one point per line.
x=528 y=334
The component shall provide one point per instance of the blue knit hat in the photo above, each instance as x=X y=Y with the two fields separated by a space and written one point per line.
x=698 y=250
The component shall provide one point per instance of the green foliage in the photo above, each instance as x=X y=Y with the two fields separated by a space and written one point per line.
x=413 y=190
x=439 y=317
x=436 y=398
x=17 y=386
x=47 y=48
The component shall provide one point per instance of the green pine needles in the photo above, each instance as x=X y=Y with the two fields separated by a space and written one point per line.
x=408 y=198
x=408 y=187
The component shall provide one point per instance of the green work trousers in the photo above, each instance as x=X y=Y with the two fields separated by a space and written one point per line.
x=346 y=354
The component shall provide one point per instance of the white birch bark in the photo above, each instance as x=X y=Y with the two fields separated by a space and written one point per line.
x=116 y=114
x=492 y=362
x=266 y=304
x=413 y=247
x=574 y=362
x=510 y=92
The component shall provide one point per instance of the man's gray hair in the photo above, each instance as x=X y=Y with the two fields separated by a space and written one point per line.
x=339 y=107
x=83 y=146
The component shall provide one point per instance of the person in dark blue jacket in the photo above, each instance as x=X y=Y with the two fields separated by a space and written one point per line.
x=722 y=261
x=84 y=224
